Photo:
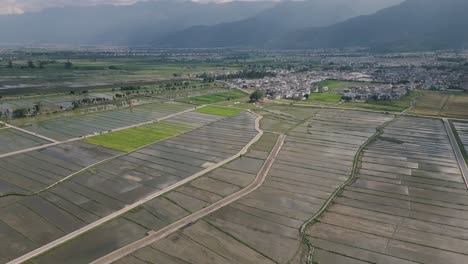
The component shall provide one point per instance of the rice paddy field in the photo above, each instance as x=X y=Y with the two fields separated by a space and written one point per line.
x=408 y=203
x=99 y=72
x=30 y=221
x=220 y=111
x=14 y=140
x=461 y=130
x=33 y=171
x=263 y=227
x=215 y=97
x=78 y=126
x=453 y=105
x=159 y=212
x=130 y=139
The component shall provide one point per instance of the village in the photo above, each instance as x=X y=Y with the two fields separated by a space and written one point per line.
x=356 y=87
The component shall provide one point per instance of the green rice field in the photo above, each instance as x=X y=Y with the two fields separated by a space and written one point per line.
x=337 y=84
x=213 y=98
x=220 y=111
x=134 y=138
x=325 y=97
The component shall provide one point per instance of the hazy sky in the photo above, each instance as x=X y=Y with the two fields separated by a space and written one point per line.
x=21 y=6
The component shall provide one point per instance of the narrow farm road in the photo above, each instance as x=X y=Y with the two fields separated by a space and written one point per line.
x=456 y=148
x=130 y=207
x=31 y=133
x=261 y=176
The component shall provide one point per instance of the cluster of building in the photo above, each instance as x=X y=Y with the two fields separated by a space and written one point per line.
x=297 y=86
x=284 y=85
x=377 y=92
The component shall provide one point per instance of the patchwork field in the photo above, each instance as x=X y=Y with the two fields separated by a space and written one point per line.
x=159 y=212
x=72 y=127
x=453 y=105
x=408 y=203
x=263 y=227
x=14 y=140
x=32 y=221
x=33 y=171
x=134 y=138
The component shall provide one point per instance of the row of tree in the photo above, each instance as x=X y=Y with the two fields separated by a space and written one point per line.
x=39 y=64
x=244 y=74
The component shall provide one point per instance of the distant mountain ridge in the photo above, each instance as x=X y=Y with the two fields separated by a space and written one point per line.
x=412 y=25
x=138 y=24
x=382 y=25
x=258 y=30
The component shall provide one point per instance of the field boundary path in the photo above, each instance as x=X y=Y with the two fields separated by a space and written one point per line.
x=31 y=133
x=55 y=142
x=261 y=176
x=128 y=208
x=458 y=153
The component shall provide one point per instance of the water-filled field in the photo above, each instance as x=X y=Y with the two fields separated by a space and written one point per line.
x=95 y=123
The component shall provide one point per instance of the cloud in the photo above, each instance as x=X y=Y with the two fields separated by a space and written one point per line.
x=21 y=6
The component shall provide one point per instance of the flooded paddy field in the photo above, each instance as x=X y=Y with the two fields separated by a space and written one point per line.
x=408 y=203
x=13 y=140
x=77 y=126
x=33 y=171
x=161 y=211
x=263 y=227
x=111 y=185
x=462 y=132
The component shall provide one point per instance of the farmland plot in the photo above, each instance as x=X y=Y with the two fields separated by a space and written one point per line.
x=72 y=127
x=263 y=227
x=130 y=139
x=408 y=203
x=462 y=132
x=110 y=186
x=33 y=171
x=161 y=211
x=14 y=140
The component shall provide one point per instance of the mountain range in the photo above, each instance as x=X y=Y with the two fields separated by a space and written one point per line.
x=378 y=24
x=138 y=24
x=411 y=25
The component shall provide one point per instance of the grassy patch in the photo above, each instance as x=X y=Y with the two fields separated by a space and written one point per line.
x=336 y=84
x=133 y=138
x=220 y=111
x=213 y=98
x=324 y=97
x=446 y=104
x=330 y=99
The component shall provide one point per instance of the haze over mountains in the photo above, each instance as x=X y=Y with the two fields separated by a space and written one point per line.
x=379 y=24
x=412 y=25
x=272 y=23
x=138 y=24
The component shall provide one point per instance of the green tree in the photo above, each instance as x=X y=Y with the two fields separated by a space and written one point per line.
x=20 y=112
x=10 y=64
x=257 y=95
x=31 y=64
x=68 y=65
